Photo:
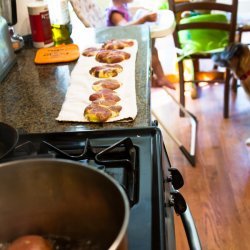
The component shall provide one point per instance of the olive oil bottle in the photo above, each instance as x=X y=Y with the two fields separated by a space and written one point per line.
x=60 y=21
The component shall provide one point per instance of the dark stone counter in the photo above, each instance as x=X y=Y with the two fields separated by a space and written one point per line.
x=31 y=95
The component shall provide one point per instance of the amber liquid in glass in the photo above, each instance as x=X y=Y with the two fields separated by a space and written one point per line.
x=61 y=33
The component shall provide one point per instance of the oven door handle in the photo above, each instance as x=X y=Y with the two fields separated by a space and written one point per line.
x=182 y=209
x=190 y=229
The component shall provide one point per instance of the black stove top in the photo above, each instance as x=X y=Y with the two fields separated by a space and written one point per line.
x=133 y=157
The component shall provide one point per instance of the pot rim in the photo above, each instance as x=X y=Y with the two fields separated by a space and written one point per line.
x=123 y=229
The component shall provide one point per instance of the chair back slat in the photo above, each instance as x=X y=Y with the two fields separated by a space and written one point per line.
x=229 y=9
x=201 y=25
x=203 y=6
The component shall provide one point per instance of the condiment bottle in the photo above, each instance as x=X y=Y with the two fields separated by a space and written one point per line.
x=40 y=24
x=60 y=21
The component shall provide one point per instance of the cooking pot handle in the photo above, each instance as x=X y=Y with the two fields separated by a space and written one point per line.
x=190 y=229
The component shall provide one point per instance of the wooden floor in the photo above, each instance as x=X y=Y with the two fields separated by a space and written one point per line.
x=217 y=189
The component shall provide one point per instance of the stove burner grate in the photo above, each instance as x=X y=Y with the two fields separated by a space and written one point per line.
x=121 y=154
x=120 y=160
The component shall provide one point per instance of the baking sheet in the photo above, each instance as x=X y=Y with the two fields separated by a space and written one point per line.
x=80 y=88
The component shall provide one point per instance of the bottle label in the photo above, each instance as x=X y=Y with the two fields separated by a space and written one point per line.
x=59 y=13
x=40 y=26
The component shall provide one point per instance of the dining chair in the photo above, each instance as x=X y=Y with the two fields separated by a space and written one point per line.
x=243 y=20
x=240 y=30
x=242 y=27
x=198 y=35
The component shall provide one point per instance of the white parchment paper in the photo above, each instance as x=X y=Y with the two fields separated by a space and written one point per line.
x=80 y=88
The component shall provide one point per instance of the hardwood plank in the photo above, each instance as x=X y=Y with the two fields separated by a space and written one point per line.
x=217 y=188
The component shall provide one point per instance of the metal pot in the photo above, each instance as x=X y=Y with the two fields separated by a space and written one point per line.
x=64 y=198
x=8 y=139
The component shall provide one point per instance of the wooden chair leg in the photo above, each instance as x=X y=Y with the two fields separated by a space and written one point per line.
x=196 y=64
x=195 y=85
x=226 y=94
x=239 y=34
x=182 y=86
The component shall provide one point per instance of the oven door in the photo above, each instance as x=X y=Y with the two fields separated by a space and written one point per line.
x=175 y=201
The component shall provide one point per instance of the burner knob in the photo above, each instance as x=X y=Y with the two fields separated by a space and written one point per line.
x=178 y=201
x=176 y=178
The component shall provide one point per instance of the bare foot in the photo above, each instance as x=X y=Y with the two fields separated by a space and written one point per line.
x=164 y=82
x=194 y=91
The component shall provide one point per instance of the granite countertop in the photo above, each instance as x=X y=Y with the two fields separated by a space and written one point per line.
x=31 y=95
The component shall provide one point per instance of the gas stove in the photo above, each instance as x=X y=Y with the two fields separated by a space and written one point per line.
x=137 y=160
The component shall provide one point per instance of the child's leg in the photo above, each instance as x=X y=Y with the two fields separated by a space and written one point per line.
x=158 y=70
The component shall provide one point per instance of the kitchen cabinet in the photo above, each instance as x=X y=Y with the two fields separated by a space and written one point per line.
x=31 y=95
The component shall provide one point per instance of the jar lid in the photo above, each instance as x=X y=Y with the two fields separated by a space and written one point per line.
x=37 y=3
